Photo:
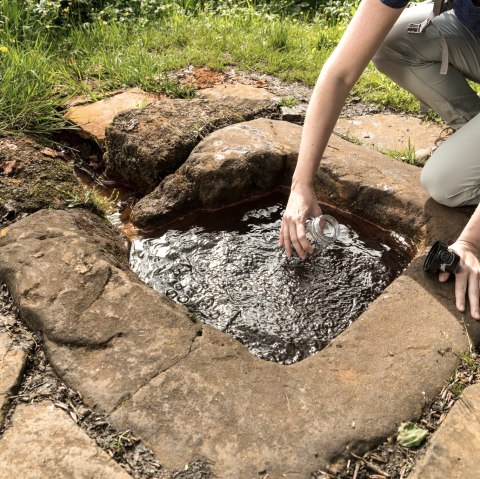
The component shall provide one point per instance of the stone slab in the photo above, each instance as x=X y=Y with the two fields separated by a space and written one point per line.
x=249 y=416
x=105 y=331
x=454 y=449
x=93 y=118
x=43 y=441
x=12 y=364
x=390 y=132
x=238 y=94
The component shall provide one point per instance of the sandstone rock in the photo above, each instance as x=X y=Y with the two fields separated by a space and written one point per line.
x=230 y=165
x=12 y=365
x=249 y=416
x=454 y=449
x=93 y=118
x=295 y=114
x=105 y=331
x=33 y=177
x=190 y=391
x=43 y=441
x=390 y=132
x=144 y=146
x=363 y=181
x=240 y=95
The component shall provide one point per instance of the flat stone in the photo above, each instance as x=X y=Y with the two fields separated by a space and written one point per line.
x=230 y=165
x=93 y=118
x=192 y=392
x=12 y=365
x=144 y=146
x=104 y=330
x=454 y=449
x=389 y=132
x=43 y=441
x=239 y=94
x=33 y=177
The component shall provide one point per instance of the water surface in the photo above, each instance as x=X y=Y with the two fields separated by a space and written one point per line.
x=227 y=269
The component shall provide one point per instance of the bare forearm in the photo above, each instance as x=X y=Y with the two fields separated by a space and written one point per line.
x=471 y=232
x=361 y=40
x=324 y=108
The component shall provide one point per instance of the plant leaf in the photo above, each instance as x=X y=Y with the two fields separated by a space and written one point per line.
x=410 y=435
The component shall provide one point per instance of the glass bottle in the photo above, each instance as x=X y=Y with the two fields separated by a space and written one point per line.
x=322 y=231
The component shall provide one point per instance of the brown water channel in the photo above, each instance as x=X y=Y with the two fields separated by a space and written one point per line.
x=226 y=268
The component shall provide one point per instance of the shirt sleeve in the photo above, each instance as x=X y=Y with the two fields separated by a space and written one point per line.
x=469 y=14
x=395 y=3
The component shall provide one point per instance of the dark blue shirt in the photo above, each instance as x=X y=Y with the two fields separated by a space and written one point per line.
x=465 y=10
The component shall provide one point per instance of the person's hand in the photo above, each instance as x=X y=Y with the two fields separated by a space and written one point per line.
x=467 y=277
x=302 y=204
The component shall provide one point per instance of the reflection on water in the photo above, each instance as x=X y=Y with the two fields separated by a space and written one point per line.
x=227 y=269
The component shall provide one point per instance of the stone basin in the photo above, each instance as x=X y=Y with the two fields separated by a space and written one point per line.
x=191 y=392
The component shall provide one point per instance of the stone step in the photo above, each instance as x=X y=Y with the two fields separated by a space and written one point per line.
x=454 y=449
x=43 y=441
x=12 y=364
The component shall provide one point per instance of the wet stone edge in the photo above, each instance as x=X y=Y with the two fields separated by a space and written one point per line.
x=40 y=383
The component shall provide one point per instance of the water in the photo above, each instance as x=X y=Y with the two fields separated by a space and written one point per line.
x=227 y=269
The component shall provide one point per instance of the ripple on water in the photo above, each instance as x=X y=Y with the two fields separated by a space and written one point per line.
x=227 y=269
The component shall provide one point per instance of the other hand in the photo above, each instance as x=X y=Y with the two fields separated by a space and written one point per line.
x=302 y=204
x=467 y=276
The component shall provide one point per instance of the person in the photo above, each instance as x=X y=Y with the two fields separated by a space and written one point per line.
x=378 y=31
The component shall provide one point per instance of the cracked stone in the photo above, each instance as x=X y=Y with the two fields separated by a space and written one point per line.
x=43 y=441
x=12 y=365
x=455 y=447
x=104 y=330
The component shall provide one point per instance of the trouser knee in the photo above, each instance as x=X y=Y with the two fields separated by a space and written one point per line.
x=438 y=187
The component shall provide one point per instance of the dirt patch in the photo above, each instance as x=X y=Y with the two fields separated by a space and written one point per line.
x=34 y=177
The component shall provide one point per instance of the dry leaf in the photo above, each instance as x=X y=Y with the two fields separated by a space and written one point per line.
x=9 y=167
x=51 y=153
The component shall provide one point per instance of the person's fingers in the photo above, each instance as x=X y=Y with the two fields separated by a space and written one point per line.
x=295 y=242
x=473 y=294
x=286 y=239
x=443 y=276
x=302 y=238
x=460 y=290
x=280 y=236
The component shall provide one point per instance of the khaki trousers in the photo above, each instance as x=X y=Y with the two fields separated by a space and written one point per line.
x=452 y=174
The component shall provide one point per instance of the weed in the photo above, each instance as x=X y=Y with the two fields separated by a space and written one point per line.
x=288 y=101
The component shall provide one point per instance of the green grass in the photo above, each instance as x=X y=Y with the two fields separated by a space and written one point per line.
x=43 y=66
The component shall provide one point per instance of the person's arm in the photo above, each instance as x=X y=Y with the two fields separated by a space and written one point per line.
x=364 y=35
x=467 y=277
